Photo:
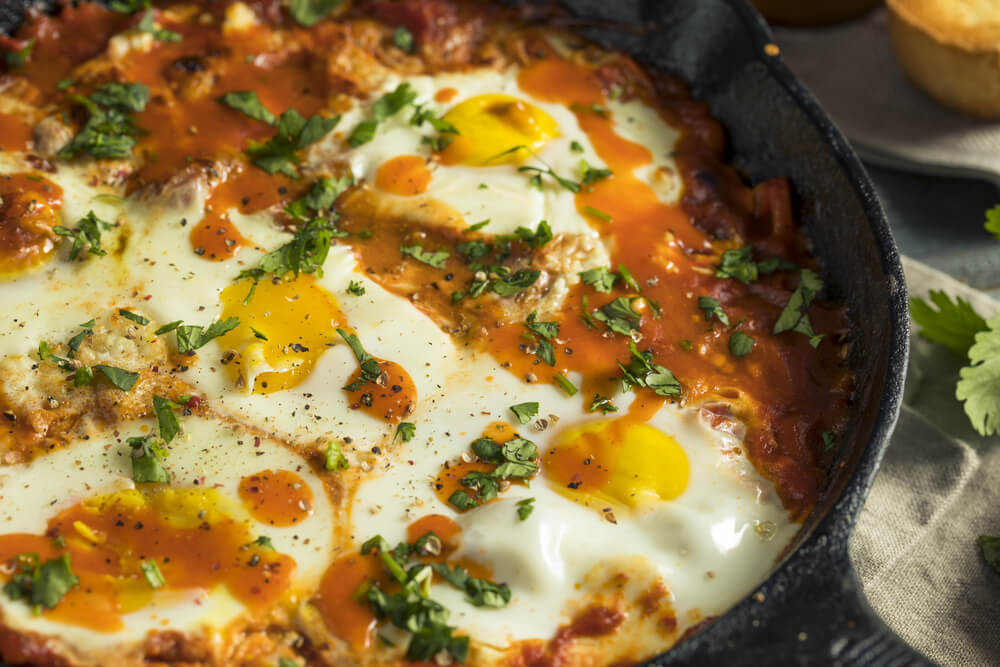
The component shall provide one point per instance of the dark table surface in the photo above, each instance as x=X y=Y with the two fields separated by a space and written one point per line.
x=939 y=221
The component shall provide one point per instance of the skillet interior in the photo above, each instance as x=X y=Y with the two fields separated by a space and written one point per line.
x=809 y=610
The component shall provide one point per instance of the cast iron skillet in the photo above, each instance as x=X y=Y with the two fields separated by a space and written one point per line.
x=810 y=611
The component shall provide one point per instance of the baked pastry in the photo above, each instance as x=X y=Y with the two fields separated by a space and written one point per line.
x=951 y=49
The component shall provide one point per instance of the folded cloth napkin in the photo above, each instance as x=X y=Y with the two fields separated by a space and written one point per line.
x=915 y=546
x=852 y=71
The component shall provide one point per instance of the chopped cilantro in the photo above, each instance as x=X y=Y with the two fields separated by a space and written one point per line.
x=992 y=224
x=310 y=12
x=713 y=308
x=127 y=6
x=601 y=279
x=829 y=440
x=590 y=108
x=164 y=408
x=83 y=376
x=146 y=454
x=370 y=369
x=990 y=546
x=86 y=329
x=954 y=324
x=406 y=431
x=479 y=225
x=565 y=384
x=479 y=592
x=600 y=215
x=603 y=404
x=263 y=542
x=618 y=316
x=525 y=507
x=537 y=238
x=576 y=146
x=190 y=337
x=386 y=106
x=739 y=265
x=525 y=411
x=257 y=334
x=403 y=39
x=685 y=345
x=642 y=372
x=335 y=459
x=740 y=344
x=417 y=252
x=287 y=662
x=152 y=573
x=129 y=315
x=119 y=377
x=159 y=33
x=18 y=58
x=279 y=153
x=305 y=253
x=87 y=234
x=629 y=280
x=547 y=331
x=109 y=132
x=355 y=288
x=589 y=174
x=41 y=585
x=795 y=316
x=247 y=102
x=979 y=386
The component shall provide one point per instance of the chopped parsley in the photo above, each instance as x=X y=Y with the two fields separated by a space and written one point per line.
x=279 y=154
x=502 y=281
x=264 y=542
x=247 y=102
x=355 y=288
x=403 y=39
x=795 y=316
x=190 y=337
x=109 y=131
x=576 y=146
x=305 y=253
x=335 y=459
x=642 y=372
x=159 y=33
x=603 y=404
x=525 y=507
x=525 y=411
x=386 y=106
x=370 y=370
x=310 y=12
x=40 y=585
x=739 y=265
x=147 y=451
x=406 y=431
x=417 y=252
x=713 y=309
x=601 y=279
x=152 y=573
x=740 y=344
x=618 y=316
x=86 y=234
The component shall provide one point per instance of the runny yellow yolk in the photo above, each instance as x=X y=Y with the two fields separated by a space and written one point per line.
x=283 y=331
x=490 y=125
x=619 y=461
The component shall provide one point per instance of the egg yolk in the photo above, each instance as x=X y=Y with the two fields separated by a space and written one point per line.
x=190 y=535
x=283 y=331
x=620 y=461
x=491 y=125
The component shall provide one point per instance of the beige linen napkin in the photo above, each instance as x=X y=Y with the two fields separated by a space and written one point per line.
x=852 y=71
x=915 y=546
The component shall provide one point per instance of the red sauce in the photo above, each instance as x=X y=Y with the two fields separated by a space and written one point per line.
x=348 y=614
x=404 y=175
x=29 y=209
x=595 y=621
x=277 y=497
x=15 y=133
x=392 y=398
x=445 y=95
